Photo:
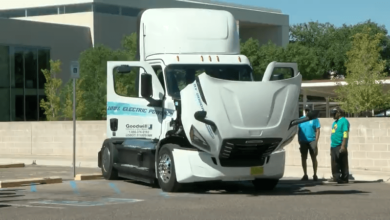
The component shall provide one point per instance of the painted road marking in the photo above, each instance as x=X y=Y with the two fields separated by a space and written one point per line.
x=33 y=188
x=167 y=195
x=74 y=187
x=113 y=186
x=108 y=201
x=164 y=194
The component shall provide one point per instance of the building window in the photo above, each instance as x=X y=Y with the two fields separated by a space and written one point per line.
x=132 y=12
x=106 y=9
x=68 y=9
x=22 y=82
x=13 y=13
x=61 y=9
x=43 y=63
x=78 y=8
x=42 y=11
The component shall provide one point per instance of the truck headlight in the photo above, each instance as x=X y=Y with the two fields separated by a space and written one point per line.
x=197 y=139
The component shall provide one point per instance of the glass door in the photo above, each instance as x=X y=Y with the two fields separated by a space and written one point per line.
x=17 y=84
x=24 y=84
x=4 y=83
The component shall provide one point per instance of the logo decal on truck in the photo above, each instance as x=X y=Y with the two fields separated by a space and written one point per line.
x=142 y=126
x=208 y=127
x=117 y=108
x=139 y=130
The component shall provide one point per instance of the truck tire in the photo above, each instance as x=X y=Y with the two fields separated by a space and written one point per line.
x=166 y=169
x=109 y=172
x=265 y=184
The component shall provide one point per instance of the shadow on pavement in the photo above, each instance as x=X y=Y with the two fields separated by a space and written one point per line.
x=373 y=181
x=284 y=187
x=8 y=193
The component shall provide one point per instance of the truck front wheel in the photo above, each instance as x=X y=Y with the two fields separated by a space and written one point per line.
x=109 y=172
x=265 y=184
x=166 y=169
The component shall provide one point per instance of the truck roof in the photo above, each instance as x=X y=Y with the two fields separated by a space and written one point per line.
x=188 y=31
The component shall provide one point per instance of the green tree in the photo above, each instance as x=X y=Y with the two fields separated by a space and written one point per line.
x=93 y=76
x=91 y=87
x=318 y=37
x=250 y=49
x=67 y=100
x=365 y=70
x=52 y=90
x=129 y=46
x=261 y=56
x=331 y=44
x=306 y=59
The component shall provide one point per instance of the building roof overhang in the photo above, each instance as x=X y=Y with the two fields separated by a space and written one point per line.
x=326 y=88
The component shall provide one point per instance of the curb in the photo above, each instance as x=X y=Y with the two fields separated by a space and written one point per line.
x=23 y=182
x=94 y=176
x=13 y=165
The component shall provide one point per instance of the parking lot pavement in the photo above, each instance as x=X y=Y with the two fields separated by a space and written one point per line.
x=33 y=171
x=103 y=199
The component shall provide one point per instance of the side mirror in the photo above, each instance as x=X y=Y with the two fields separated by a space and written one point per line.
x=201 y=116
x=146 y=85
x=310 y=116
x=124 y=69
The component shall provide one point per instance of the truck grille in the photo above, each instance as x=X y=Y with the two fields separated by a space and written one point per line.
x=247 y=152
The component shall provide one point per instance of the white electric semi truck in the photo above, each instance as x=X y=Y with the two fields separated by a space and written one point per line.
x=196 y=113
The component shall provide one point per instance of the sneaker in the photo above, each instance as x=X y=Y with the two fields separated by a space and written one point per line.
x=315 y=178
x=350 y=177
x=304 y=178
x=343 y=181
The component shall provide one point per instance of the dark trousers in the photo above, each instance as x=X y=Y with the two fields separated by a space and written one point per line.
x=339 y=163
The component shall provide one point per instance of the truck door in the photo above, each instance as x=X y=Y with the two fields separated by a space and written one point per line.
x=128 y=114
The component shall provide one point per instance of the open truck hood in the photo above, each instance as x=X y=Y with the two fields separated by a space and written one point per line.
x=244 y=113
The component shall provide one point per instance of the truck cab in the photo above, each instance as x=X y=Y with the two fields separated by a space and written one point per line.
x=189 y=110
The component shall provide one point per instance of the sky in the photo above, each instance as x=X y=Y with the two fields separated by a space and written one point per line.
x=337 y=12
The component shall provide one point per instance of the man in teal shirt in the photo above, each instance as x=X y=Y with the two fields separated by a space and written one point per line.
x=339 y=145
x=308 y=135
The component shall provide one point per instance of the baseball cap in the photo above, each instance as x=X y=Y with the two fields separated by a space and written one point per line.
x=336 y=109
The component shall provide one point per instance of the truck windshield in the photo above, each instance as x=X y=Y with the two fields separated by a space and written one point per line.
x=179 y=76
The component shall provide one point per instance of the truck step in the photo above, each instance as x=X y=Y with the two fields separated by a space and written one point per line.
x=143 y=174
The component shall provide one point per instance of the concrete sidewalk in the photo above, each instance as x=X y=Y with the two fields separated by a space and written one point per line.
x=295 y=172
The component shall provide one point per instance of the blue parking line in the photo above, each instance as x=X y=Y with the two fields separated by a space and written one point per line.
x=164 y=194
x=33 y=188
x=102 y=202
x=113 y=186
x=74 y=187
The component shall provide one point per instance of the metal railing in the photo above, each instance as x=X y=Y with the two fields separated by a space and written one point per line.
x=226 y=4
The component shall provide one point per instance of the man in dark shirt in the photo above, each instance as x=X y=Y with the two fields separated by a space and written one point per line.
x=339 y=145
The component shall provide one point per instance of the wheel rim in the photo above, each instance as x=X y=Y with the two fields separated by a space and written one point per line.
x=165 y=168
x=106 y=159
